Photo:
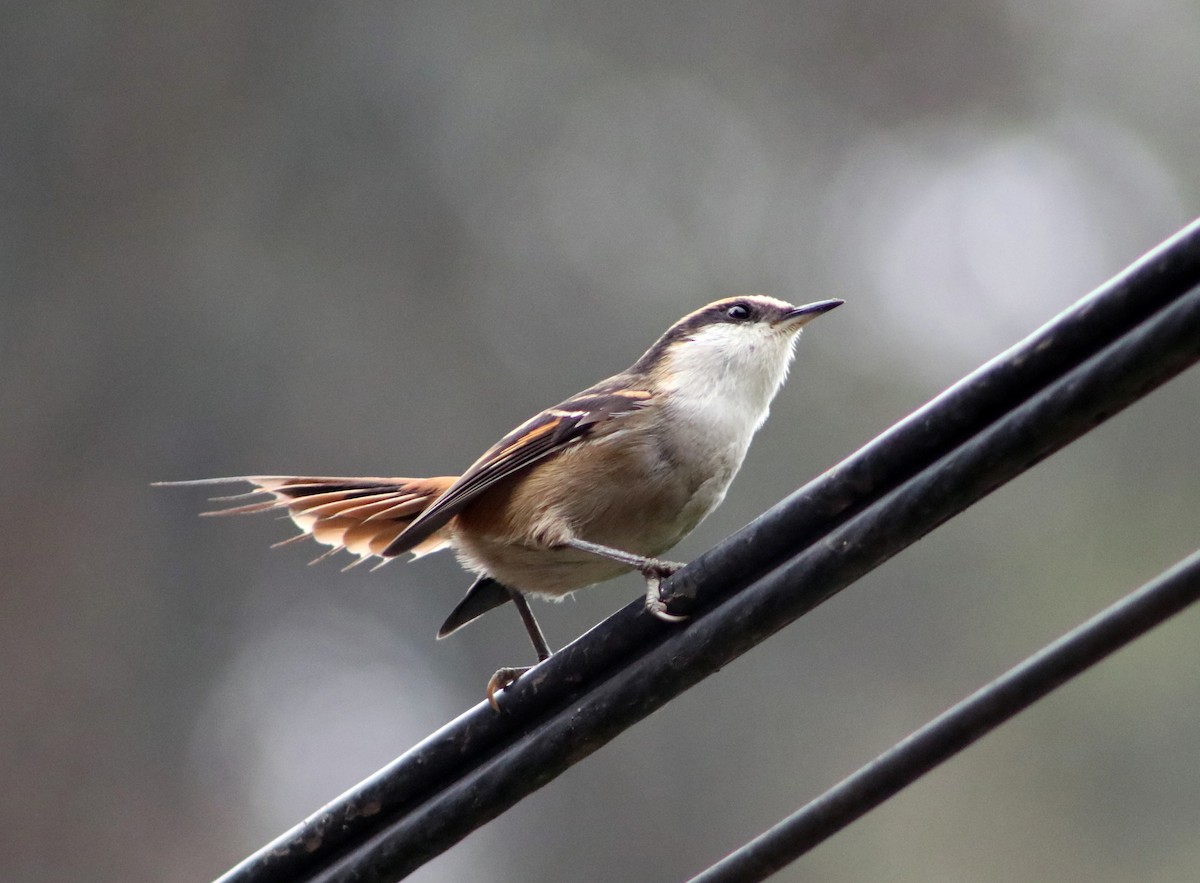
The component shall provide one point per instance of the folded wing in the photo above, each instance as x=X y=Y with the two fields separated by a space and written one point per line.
x=596 y=409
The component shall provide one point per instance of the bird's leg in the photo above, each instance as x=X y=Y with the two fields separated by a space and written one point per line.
x=506 y=676
x=540 y=647
x=654 y=571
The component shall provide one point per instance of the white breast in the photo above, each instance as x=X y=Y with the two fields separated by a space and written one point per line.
x=720 y=390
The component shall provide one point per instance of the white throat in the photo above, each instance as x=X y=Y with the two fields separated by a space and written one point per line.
x=726 y=376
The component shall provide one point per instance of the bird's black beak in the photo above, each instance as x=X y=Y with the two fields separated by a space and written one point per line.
x=799 y=316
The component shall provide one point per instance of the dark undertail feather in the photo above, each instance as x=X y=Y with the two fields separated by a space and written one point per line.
x=485 y=594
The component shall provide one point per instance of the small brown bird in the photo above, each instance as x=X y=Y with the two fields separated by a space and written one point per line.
x=590 y=489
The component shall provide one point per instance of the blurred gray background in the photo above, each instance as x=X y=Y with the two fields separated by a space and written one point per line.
x=318 y=238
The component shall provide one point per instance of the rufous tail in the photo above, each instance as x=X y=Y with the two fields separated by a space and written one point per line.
x=361 y=515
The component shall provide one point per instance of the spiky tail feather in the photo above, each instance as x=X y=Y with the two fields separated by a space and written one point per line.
x=361 y=515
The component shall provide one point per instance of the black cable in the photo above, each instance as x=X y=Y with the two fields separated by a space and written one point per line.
x=960 y=726
x=480 y=735
x=1132 y=366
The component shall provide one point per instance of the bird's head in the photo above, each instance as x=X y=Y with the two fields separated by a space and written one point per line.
x=739 y=346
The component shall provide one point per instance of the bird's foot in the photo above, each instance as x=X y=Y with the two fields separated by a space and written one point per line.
x=655 y=572
x=502 y=679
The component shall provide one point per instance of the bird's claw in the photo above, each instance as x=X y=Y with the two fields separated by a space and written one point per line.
x=655 y=573
x=502 y=679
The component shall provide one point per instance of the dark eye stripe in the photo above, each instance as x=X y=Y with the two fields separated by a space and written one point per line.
x=685 y=328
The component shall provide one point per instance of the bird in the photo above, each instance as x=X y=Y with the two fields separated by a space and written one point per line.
x=596 y=486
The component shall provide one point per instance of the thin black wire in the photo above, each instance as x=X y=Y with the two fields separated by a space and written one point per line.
x=443 y=760
x=960 y=726
x=1146 y=357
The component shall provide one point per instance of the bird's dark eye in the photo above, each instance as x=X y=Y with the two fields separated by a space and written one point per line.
x=738 y=312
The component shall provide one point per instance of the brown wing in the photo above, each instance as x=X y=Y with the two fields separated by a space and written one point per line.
x=362 y=515
x=549 y=433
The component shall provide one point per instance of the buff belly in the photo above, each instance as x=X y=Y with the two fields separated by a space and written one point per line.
x=515 y=532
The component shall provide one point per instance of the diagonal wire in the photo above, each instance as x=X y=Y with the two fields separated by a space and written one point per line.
x=1114 y=378
x=960 y=726
x=346 y=830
